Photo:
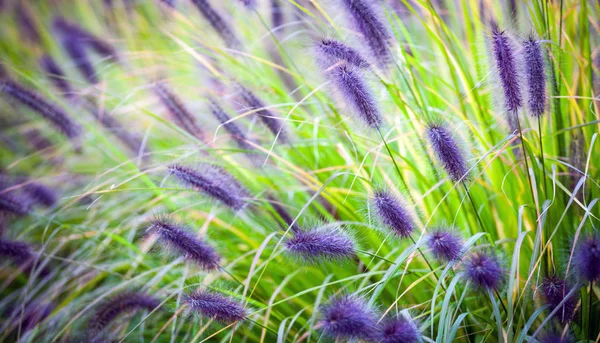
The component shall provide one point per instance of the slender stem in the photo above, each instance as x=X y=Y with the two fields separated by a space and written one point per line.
x=396 y=165
x=516 y=113
x=590 y=311
x=542 y=155
x=474 y=207
x=426 y=261
x=500 y=300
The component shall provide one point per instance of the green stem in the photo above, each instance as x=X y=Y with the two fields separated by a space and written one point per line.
x=474 y=207
x=542 y=155
x=396 y=165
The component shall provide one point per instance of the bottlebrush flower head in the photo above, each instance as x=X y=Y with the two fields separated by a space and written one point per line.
x=180 y=239
x=348 y=317
x=448 y=152
x=27 y=26
x=56 y=74
x=535 y=71
x=330 y=52
x=178 y=111
x=73 y=46
x=84 y=38
x=320 y=244
x=32 y=314
x=235 y=131
x=216 y=306
x=399 y=330
x=586 y=259
x=445 y=244
x=551 y=337
x=554 y=290
x=217 y=22
x=13 y=204
x=270 y=119
x=484 y=271
x=19 y=252
x=47 y=110
x=213 y=181
x=122 y=303
x=355 y=94
x=41 y=194
x=393 y=213
x=506 y=68
x=366 y=21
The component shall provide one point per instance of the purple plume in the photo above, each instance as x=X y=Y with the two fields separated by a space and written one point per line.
x=321 y=244
x=75 y=49
x=32 y=314
x=399 y=330
x=355 y=94
x=180 y=114
x=393 y=213
x=13 y=204
x=276 y=13
x=348 y=317
x=27 y=26
x=111 y=309
x=552 y=337
x=554 y=291
x=483 y=270
x=536 y=76
x=215 y=306
x=330 y=52
x=213 y=181
x=374 y=33
x=84 y=38
x=504 y=56
x=217 y=22
x=41 y=194
x=445 y=245
x=49 y=111
x=586 y=259
x=56 y=74
x=270 y=119
x=181 y=239
x=235 y=131
x=448 y=152
x=19 y=252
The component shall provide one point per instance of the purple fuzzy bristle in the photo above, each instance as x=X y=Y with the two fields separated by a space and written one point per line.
x=215 y=306
x=213 y=181
x=111 y=309
x=586 y=259
x=178 y=111
x=180 y=239
x=399 y=330
x=270 y=119
x=235 y=131
x=555 y=338
x=554 y=290
x=41 y=194
x=19 y=252
x=352 y=89
x=483 y=270
x=393 y=213
x=49 y=111
x=348 y=317
x=445 y=245
x=448 y=152
x=56 y=74
x=535 y=71
x=217 y=22
x=331 y=52
x=322 y=244
x=504 y=57
x=374 y=33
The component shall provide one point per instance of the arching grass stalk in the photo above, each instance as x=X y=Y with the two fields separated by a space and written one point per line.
x=405 y=185
x=474 y=207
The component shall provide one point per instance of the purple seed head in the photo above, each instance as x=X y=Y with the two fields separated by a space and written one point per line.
x=84 y=38
x=399 y=330
x=12 y=204
x=276 y=14
x=554 y=290
x=374 y=33
x=41 y=194
x=27 y=25
x=180 y=114
x=71 y=42
x=330 y=52
x=348 y=317
x=321 y=244
x=506 y=68
x=215 y=306
x=33 y=314
x=47 y=110
x=355 y=94
x=551 y=337
x=19 y=252
x=270 y=119
x=235 y=131
x=586 y=259
x=217 y=22
x=213 y=181
x=448 y=152
x=483 y=270
x=122 y=303
x=56 y=74
x=536 y=76
x=393 y=213
x=445 y=244
x=181 y=239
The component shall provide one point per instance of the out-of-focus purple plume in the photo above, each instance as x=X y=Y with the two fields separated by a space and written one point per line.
x=445 y=244
x=448 y=152
x=399 y=330
x=484 y=271
x=213 y=181
x=182 y=116
x=393 y=213
x=586 y=259
x=215 y=306
x=56 y=75
x=217 y=22
x=19 y=252
x=122 y=303
x=27 y=24
x=348 y=317
x=270 y=119
x=321 y=244
x=235 y=131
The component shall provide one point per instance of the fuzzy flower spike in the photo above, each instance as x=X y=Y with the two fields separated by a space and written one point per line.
x=448 y=152
x=445 y=244
x=535 y=69
x=393 y=213
x=554 y=290
x=586 y=259
x=109 y=310
x=348 y=317
x=322 y=244
x=330 y=51
x=213 y=305
x=399 y=330
x=483 y=270
x=506 y=68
